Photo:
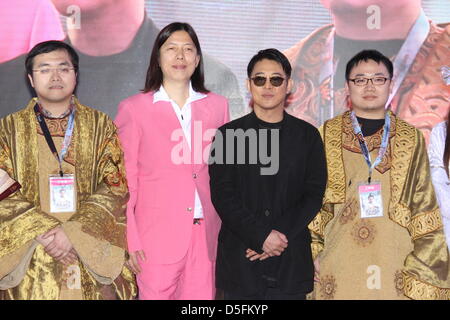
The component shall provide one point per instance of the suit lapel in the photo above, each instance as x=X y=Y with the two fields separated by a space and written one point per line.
x=169 y=117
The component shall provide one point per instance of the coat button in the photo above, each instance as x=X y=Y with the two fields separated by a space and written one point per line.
x=189 y=209
x=267 y=213
x=194 y=176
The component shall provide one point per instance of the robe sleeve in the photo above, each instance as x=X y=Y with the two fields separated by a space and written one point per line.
x=318 y=224
x=20 y=220
x=427 y=268
x=97 y=229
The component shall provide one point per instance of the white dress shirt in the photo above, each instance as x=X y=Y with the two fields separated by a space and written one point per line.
x=184 y=116
x=439 y=177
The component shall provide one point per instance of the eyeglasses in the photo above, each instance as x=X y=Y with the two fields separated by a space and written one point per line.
x=377 y=81
x=259 y=81
x=61 y=70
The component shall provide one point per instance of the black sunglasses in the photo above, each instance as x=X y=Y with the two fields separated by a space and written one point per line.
x=259 y=81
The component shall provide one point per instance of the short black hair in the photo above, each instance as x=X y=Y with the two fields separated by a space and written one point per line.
x=154 y=77
x=50 y=46
x=365 y=56
x=270 y=54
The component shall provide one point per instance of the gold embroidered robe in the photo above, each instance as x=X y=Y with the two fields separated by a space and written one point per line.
x=421 y=100
x=96 y=229
x=402 y=254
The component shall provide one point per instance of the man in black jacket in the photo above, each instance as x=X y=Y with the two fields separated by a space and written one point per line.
x=268 y=177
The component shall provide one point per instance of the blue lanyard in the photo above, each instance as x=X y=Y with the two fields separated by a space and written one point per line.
x=362 y=142
x=67 y=137
x=48 y=137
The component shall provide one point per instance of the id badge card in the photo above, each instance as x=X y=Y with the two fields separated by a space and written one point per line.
x=370 y=201
x=62 y=193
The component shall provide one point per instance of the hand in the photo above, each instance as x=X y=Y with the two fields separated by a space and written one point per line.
x=60 y=246
x=71 y=258
x=253 y=255
x=44 y=241
x=275 y=243
x=317 y=270
x=133 y=262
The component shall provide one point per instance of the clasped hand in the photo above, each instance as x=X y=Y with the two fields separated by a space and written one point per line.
x=58 y=245
x=274 y=245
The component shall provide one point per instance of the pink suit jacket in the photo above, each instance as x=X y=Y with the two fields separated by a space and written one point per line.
x=162 y=192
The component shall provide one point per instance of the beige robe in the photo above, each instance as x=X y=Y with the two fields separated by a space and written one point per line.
x=400 y=255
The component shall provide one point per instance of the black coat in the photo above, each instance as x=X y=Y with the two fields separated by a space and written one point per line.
x=298 y=190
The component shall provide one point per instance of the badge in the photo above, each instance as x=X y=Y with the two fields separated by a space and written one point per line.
x=370 y=201
x=62 y=193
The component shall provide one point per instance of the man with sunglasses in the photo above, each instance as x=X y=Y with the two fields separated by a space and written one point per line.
x=268 y=175
x=397 y=251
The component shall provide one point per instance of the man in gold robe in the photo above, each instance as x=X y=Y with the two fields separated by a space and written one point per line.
x=62 y=235
x=400 y=30
x=398 y=252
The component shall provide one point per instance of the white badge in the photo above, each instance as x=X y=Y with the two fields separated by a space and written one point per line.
x=62 y=193
x=370 y=201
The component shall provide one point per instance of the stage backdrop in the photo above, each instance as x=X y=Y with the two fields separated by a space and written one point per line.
x=317 y=36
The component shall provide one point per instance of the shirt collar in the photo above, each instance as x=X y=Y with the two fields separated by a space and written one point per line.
x=161 y=95
x=47 y=114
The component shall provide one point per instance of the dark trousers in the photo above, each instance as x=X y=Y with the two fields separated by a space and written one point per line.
x=269 y=294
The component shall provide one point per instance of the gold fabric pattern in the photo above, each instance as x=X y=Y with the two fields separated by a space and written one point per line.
x=349 y=212
x=399 y=282
x=404 y=143
x=418 y=290
x=328 y=287
x=423 y=89
x=364 y=232
x=316 y=248
x=99 y=256
x=351 y=143
x=97 y=222
x=412 y=221
x=320 y=221
x=21 y=219
x=23 y=229
x=424 y=223
x=11 y=261
x=101 y=202
x=335 y=191
x=401 y=214
x=57 y=128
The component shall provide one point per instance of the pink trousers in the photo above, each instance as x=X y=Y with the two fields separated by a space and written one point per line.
x=191 y=278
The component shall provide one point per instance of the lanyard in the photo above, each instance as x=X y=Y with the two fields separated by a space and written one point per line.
x=408 y=52
x=363 y=144
x=48 y=137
